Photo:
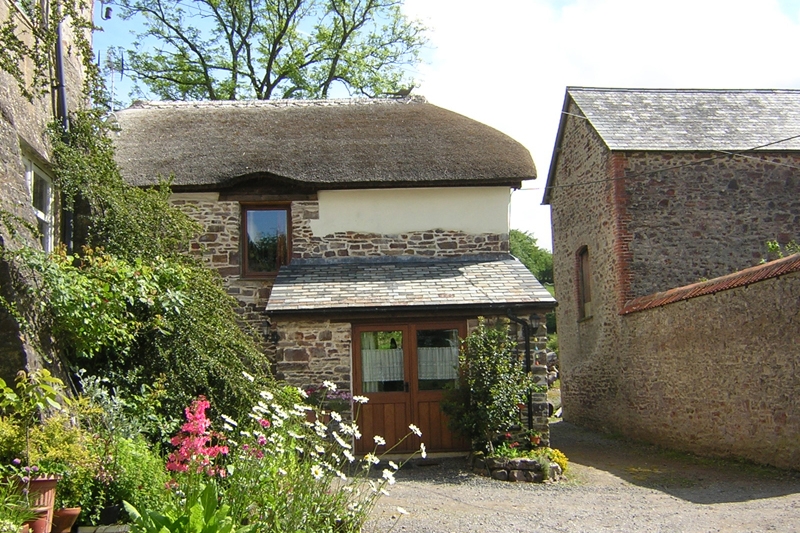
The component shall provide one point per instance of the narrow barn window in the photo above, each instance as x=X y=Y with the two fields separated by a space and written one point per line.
x=584 y=284
x=265 y=239
x=41 y=187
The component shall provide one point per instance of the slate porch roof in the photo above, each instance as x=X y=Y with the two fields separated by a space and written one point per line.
x=492 y=282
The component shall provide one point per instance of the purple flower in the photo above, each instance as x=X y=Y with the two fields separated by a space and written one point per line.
x=16 y=462
x=34 y=469
x=27 y=470
x=25 y=479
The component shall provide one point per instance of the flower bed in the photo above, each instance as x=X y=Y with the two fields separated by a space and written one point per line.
x=525 y=469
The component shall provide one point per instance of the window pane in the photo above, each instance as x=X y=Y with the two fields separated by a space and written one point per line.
x=437 y=358
x=267 y=240
x=382 y=364
x=41 y=194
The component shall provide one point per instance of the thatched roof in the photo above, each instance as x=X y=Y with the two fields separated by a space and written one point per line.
x=322 y=143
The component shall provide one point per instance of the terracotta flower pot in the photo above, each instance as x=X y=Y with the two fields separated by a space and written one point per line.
x=40 y=524
x=64 y=519
x=42 y=491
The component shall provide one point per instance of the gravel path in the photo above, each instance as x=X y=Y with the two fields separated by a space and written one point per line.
x=612 y=485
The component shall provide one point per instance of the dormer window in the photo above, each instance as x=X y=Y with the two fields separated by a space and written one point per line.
x=266 y=244
x=41 y=187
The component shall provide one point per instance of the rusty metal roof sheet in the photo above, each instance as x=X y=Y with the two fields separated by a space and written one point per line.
x=742 y=278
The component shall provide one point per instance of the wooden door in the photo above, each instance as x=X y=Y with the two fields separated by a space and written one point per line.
x=403 y=369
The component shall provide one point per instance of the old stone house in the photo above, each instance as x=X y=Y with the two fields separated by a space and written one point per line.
x=662 y=203
x=28 y=198
x=361 y=237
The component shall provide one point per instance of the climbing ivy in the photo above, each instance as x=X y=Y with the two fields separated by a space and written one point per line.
x=130 y=306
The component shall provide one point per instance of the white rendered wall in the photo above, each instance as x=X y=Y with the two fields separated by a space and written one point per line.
x=473 y=210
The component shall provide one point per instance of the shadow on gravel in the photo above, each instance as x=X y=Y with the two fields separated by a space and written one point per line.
x=691 y=478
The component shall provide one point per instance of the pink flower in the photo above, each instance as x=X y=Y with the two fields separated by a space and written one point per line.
x=264 y=423
x=194 y=442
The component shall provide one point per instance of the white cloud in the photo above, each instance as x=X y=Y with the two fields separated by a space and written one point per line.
x=508 y=65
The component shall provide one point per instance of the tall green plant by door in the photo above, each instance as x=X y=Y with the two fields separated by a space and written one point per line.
x=491 y=386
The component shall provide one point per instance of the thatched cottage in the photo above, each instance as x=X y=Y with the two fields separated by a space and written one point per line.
x=362 y=237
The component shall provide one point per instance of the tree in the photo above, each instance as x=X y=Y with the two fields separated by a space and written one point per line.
x=263 y=49
x=538 y=260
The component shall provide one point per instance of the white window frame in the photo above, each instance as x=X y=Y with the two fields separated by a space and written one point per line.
x=32 y=171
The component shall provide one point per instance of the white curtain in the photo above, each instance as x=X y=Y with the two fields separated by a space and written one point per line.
x=381 y=365
x=438 y=363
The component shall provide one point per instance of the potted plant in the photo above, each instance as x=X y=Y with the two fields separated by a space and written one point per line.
x=14 y=508
x=23 y=409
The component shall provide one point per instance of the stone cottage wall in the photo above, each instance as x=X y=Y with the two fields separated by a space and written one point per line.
x=713 y=375
x=310 y=352
x=706 y=217
x=23 y=132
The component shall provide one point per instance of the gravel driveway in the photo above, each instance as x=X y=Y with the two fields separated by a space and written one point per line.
x=613 y=485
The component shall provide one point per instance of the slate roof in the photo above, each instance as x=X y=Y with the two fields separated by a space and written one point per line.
x=382 y=142
x=332 y=287
x=745 y=277
x=691 y=119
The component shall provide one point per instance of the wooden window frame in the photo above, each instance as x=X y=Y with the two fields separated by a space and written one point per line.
x=584 y=283
x=243 y=238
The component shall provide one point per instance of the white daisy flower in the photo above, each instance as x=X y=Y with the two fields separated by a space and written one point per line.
x=371 y=458
x=380 y=441
x=360 y=399
x=317 y=472
x=422 y=451
x=336 y=416
x=350 y=456
x=341 y=441
x=388 y=476
x=401 y=510
x=394 y=465
x=303 y=394
x=266 y=395
x=248 y=376
x=415 y=430
x=330 y=385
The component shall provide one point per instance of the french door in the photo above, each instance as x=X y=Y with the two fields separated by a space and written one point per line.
x=404 y=368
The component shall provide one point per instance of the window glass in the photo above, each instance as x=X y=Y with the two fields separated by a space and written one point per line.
x=584 y=284
x=41 y=188
x=382 y=361
x=267 y=240
x=437 y=358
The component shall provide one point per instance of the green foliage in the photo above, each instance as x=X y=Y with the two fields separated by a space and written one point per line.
x=14 y=509
x=538 y=260
x=271 y=49
x=128 y=222
x=34 y=46
x=492 y=384
x=552 y=342
x=775 y=250
x=203 y=514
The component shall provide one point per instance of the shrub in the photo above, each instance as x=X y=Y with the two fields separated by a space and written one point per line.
x=491 y=386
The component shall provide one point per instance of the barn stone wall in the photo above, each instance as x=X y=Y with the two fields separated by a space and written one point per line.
x=713 y=375
x=707 y=215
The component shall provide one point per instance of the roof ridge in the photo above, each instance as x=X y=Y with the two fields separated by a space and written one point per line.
x=742 y=278
x=177 y=104
x=680 y=90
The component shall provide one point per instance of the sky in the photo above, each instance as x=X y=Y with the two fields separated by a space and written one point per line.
x=508 y=66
